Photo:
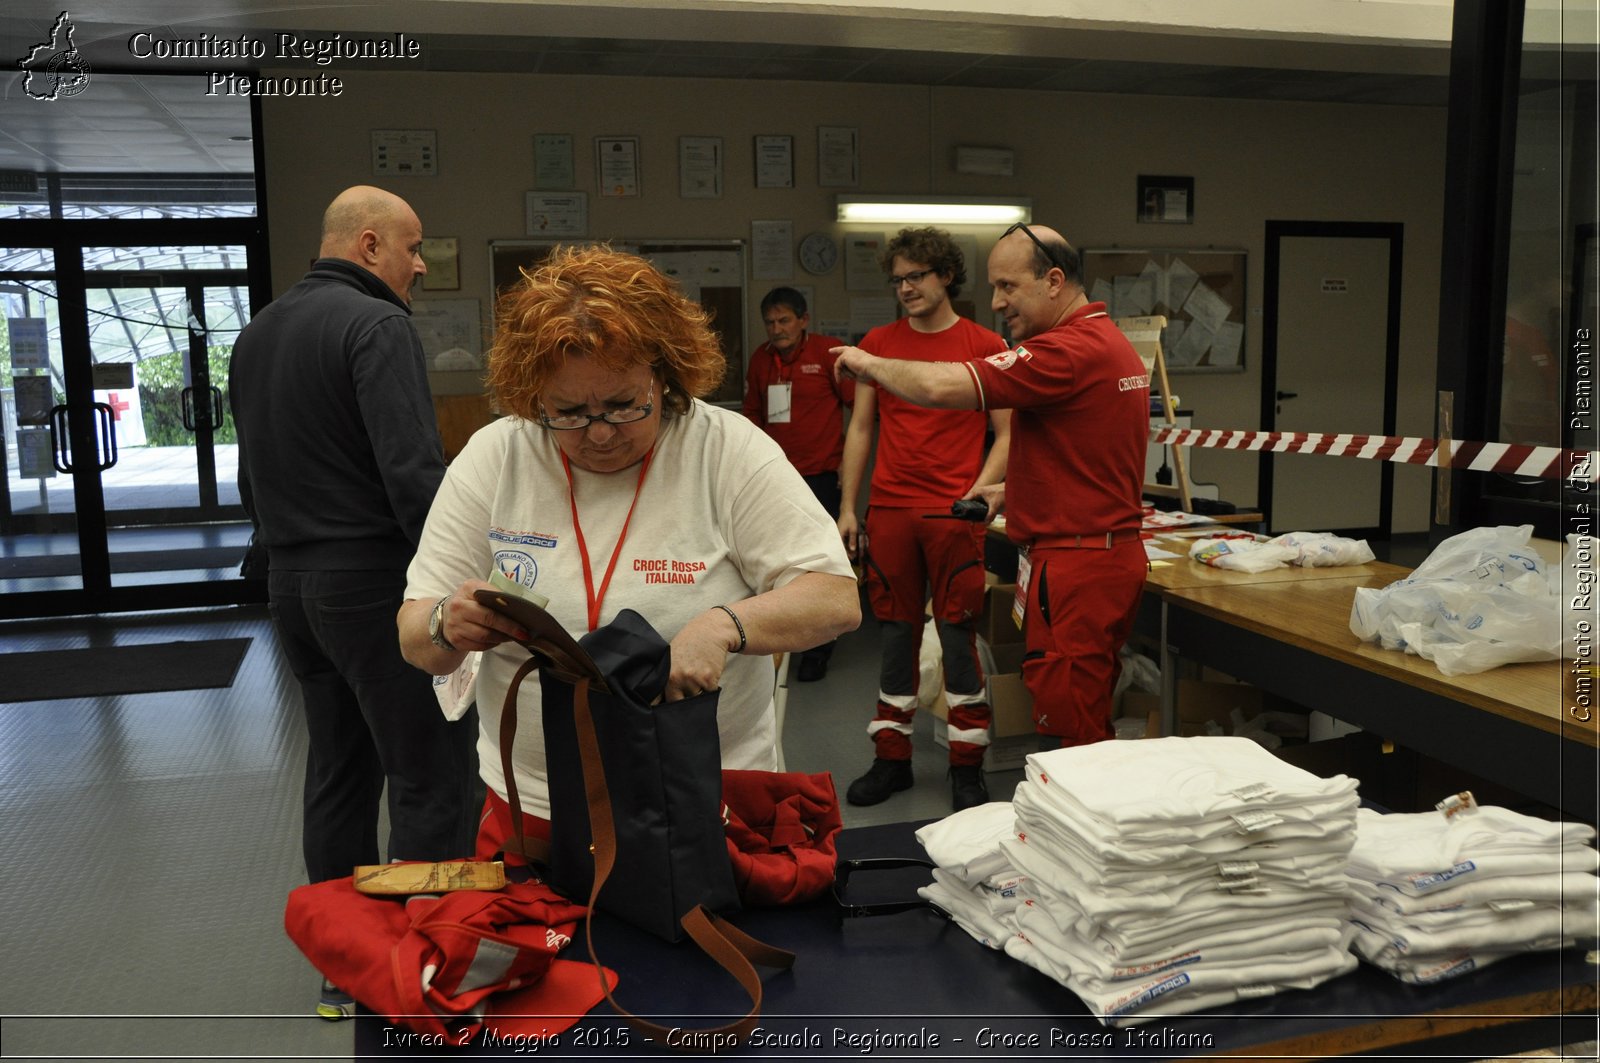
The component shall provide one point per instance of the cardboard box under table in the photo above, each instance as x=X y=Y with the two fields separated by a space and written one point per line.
x=1011 y=733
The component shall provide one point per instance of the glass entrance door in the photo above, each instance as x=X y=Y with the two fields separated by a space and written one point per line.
x=127 y=484
x=162 y=322
x=39 y=548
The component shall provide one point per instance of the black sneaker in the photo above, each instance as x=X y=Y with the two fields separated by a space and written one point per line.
x=882 y=779
x=967 y=787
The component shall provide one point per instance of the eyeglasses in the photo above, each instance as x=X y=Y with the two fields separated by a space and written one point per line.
x=570 y=422
x=1048 y=254
x=914 y=277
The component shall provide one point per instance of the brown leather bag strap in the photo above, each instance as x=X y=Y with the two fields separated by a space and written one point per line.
x=532 y=848
x=732 y=949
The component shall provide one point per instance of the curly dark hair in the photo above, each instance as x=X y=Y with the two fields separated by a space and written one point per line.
x=932 y=248
x=610 y=307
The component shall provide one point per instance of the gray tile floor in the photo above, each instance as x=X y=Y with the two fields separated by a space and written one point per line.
x=151 y=839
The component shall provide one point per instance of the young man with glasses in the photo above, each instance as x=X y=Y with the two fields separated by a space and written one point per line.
x=792 y=392
x=926 y=459
x=1080 y=397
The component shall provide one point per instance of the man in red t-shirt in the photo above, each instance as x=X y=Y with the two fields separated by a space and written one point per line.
x=1080 y=396
x=793 y=393
x=926 y=459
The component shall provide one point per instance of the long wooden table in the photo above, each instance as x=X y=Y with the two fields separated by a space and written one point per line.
x=1288 y=631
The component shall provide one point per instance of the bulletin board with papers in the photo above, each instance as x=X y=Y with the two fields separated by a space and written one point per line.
x=1201 y=293
x=711 y=272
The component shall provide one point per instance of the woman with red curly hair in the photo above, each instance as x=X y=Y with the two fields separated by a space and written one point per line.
x=612 y=485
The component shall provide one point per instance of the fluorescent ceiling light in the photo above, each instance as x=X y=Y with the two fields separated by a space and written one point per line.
x=934 y=210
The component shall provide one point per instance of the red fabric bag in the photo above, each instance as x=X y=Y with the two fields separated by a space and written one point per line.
x=781 y=829
x=443 y=965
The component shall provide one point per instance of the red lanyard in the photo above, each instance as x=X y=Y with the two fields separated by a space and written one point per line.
x=583 y=547
x=778 y=363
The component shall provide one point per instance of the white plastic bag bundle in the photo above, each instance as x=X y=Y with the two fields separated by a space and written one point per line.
x=1324 y=548
x=1482 y=599
x=1138 y=673
x=1241 y=555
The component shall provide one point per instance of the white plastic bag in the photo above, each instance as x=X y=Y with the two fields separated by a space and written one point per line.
x=1324 y=548
x=1240 y=555
x=1138 y=673
x=1482 y=599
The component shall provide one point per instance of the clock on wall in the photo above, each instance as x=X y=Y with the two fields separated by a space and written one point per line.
x=818 y=253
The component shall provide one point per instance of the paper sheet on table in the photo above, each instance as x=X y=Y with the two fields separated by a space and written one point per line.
x=1152 y=552
x=1175 y=518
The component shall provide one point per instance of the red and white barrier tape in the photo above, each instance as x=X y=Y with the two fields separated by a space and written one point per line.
x=1512 y=459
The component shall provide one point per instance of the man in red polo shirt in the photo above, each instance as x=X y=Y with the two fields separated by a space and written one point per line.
x=926 y=459
x=1080 y=396
x=793 y=393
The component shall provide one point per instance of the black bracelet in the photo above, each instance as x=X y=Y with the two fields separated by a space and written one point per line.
x=743 y=642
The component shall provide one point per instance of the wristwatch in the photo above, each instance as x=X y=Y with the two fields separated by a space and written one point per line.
x=436 y=625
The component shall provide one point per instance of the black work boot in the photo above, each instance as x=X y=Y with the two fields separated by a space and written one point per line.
x=967 y=787
x=882 y=779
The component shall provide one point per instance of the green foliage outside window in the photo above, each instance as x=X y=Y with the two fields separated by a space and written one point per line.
x=160 y=393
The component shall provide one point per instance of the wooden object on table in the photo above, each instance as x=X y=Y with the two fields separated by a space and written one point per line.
x=430 y=877
x=1145 y=335
x=459 y=416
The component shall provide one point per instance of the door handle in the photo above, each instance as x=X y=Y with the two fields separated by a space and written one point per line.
x=108 y=436
x=1288 y=395
x=186 y=413
x=216 y=406
x=60 y=440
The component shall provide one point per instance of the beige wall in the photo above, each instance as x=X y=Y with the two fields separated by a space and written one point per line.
x=1077 y=155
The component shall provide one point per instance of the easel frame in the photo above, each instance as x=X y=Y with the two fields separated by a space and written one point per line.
x=1145 y=335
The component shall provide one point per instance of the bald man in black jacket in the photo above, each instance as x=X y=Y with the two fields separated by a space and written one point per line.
x=339 y=459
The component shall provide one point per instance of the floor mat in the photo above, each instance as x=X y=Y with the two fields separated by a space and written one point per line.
x=105 y=671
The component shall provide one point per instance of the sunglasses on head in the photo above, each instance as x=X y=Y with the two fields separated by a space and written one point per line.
x=1048 y=253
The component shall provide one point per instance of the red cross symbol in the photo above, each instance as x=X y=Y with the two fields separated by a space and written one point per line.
x=117 y=406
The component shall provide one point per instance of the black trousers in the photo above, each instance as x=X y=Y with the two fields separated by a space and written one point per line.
x=825 y=485
x=372 y=718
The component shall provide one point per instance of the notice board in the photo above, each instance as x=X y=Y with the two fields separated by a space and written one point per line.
x=1201 y=293
x=711 y=272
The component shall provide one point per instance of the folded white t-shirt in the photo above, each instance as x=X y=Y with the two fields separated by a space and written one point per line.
x=1312 y=816
x=1578 y=888
x=1428 y=850
x=1167 y=780
x=1175 y=993
x=968 y=842
x=1327 y=924
x=969 y=913
x=1425 y=968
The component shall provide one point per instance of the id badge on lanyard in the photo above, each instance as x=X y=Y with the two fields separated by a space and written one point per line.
x=778 y=402
x=1019 y=602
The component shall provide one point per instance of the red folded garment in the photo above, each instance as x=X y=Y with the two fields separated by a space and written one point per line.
x=781 y=829
x=780 y=833
x=446 y=964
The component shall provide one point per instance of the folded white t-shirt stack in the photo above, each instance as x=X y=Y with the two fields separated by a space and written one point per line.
x=974 y=882
x=1433 y=897
x=1170 y=875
